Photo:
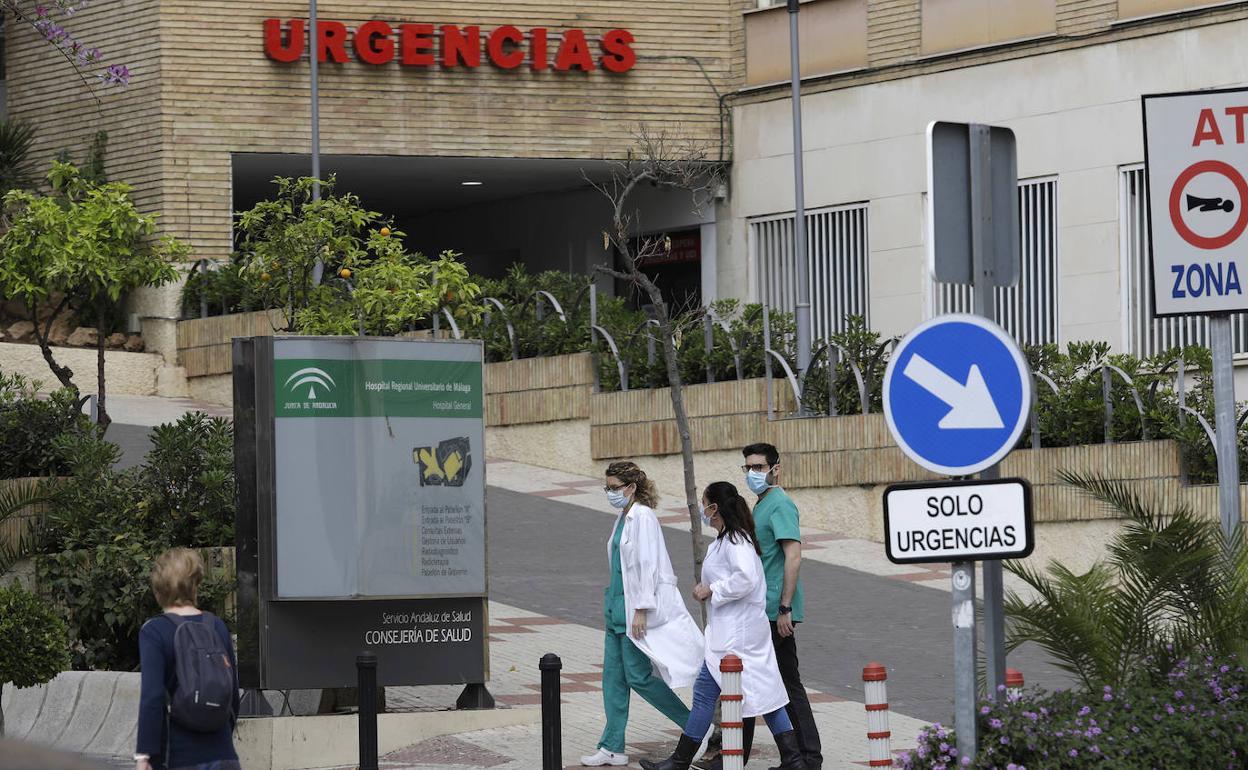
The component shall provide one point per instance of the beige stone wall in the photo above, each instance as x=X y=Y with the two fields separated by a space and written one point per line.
x=204 y=89
x=125 y=374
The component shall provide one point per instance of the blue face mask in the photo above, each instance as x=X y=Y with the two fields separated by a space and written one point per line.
x=757 y=482
x=617 y=499
x=705 y=519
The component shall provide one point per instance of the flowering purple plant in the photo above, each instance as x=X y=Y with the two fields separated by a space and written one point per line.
x=1192 y=716
x=42 y=16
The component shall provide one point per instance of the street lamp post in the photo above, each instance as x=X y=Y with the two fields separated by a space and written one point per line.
x=319 y=268
x=801 y=314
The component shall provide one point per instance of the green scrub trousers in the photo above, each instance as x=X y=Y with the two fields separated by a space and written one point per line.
x=624 y=666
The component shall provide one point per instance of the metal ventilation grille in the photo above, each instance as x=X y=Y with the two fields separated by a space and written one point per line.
x=836 y=240
x=1027 y=310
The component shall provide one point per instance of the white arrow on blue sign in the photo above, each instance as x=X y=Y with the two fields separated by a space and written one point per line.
x=957 y=393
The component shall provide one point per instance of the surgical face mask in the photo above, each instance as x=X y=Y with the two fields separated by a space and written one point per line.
x=617 y=499
x=705 y=519
x=756 y=481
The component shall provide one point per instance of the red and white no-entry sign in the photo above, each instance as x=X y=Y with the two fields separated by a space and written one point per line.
x=1196 y=148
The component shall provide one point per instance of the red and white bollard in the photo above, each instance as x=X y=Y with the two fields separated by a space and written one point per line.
x=1013 y=682
x=730 y=703
x=874 y=678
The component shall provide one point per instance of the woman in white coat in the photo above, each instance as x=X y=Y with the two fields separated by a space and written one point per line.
x=736 y=622
x=649 y=629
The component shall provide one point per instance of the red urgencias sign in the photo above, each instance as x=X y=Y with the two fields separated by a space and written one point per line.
x=448 y=45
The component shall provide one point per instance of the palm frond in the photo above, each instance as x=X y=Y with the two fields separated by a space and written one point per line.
x=16 y=497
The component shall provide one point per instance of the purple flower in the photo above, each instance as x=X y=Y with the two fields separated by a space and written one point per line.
x=1074 y=752
x=1178 y=693
x=1083 y=712
x=1005 y=740
x=985 y=710
x=40 y=11
x=995 y=724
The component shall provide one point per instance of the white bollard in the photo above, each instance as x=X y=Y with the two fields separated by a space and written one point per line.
x=874 y=678
x=1013 y=682
x=730 y=703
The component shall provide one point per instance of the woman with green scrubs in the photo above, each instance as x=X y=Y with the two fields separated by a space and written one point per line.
x=652 y=643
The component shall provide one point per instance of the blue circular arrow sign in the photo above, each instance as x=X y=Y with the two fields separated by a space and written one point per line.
x=957 y=394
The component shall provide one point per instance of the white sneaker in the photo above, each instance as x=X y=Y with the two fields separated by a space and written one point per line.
x=603 y=757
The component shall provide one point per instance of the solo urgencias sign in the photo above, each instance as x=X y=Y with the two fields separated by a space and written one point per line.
x=425 y=45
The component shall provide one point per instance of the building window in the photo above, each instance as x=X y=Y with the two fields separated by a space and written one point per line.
x=1146 y=335
x=836 y=240
x=1027 y=310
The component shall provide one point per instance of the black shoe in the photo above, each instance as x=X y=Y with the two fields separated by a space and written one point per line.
x=790 y=754
x=747 y=746
x=680 y=759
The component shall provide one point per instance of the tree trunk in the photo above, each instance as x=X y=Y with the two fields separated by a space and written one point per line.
x=102 y=415
x=63 y=373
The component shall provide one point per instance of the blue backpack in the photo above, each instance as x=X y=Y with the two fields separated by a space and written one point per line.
x=203 y=698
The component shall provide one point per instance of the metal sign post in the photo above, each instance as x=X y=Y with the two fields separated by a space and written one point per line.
x=973 y=238
x=1196 y=157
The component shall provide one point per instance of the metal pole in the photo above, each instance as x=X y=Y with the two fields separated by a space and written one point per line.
x=552 y=719
x=1224 y=418
x=982 y=273
x=964 y=657
x=801 y=312
x=366 y=673
x=313 y=40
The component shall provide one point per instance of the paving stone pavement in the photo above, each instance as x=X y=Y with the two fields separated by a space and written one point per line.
x=518 y=639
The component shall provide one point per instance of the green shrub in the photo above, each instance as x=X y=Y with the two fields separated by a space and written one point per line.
x=29 y=427
x=1191 y=716
x=105 y=526
x=34 y=642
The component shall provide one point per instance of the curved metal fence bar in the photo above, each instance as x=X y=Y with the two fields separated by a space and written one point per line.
x=1036 y=379
x=620 y=366
x=864 y=400
x=450 y=318
x=789 y=375
x=541 y=294
x=732 y=343
x=650 y=341
x=511 y=330
x=1213 y=437
x=1107 y=373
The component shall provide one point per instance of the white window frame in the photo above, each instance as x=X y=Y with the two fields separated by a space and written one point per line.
x=830 y=302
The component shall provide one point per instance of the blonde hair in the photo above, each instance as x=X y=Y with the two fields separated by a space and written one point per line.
x=629 y=473
x=176 y=575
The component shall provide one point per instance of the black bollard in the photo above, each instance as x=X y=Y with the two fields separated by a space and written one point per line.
x=366 y=672
x=552 y=720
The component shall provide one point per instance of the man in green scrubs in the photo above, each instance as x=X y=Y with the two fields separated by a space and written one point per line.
x=777 y=524
x=624 y=667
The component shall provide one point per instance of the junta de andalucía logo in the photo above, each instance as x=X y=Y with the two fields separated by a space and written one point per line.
x=313 y=378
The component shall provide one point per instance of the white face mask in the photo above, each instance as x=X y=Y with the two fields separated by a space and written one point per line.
x=617 y=499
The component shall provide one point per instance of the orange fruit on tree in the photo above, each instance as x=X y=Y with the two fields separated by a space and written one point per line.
x=385 y=232
x=344 y=273
x=265 y=277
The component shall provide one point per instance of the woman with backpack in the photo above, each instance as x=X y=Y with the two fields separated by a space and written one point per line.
x=189 y=685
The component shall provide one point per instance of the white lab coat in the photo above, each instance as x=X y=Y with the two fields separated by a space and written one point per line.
x=736 y=622
x=673 y=641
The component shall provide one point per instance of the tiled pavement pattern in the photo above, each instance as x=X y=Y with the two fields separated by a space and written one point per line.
x=519 y=638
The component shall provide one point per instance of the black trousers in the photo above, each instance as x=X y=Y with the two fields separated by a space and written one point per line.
x=799 y=705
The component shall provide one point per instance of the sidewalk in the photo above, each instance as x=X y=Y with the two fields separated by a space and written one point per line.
x=519 y=638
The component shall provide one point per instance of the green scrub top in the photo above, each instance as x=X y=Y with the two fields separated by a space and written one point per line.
x=613 y=601
x=776 y=519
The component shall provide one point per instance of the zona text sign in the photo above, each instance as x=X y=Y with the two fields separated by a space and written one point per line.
x=958 y=521
x=1197 y=158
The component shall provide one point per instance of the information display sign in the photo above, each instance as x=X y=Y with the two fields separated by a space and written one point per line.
x=1197 y=158
x=366 y=520
x=958 y=521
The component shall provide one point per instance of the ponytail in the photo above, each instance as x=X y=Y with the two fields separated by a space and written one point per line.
x=734 y=511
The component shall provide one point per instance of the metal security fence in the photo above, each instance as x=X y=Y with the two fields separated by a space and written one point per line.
x=838 y=252
x=1148 y=336
x=1029 y=309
